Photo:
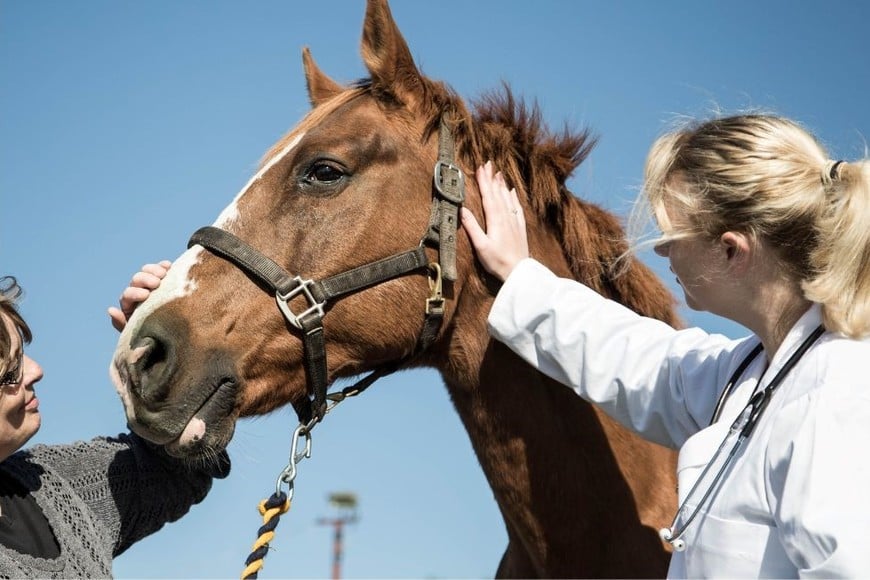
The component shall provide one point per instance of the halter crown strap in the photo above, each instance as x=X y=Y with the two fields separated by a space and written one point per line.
x=449 y=181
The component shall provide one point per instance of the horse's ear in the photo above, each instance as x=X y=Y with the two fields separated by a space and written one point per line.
x=387 y=57
x=320 y=86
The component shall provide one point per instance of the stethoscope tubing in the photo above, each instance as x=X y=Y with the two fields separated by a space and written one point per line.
x=673 y=534
x=744 y=423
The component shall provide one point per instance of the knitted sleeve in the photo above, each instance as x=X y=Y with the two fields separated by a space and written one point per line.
x=132 y=487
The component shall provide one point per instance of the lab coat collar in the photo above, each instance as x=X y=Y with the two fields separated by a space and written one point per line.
x=808 y=322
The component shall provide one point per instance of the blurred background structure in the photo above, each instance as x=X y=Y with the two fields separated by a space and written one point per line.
x=344 y=504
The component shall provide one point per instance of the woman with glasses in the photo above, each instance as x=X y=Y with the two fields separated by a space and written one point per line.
x=761 y=227
x=67 y=510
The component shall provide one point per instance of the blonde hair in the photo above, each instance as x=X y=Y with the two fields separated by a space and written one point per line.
x=768 y=177
x=10 y=292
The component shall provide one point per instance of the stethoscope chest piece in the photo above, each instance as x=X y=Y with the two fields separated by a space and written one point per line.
x=679 y=544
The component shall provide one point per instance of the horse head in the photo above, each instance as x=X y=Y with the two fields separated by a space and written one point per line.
x=350 y=185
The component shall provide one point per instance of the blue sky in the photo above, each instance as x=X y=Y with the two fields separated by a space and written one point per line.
x=124 y=126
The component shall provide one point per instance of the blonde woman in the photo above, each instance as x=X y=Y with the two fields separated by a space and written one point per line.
x=67 y=510
x=761 y=227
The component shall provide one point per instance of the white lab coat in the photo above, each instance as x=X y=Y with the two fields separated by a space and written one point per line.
x=795 y=501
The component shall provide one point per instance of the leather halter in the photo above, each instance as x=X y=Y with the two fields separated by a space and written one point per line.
x=449 y=193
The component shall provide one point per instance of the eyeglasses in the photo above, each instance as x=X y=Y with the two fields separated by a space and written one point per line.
x=15 y=375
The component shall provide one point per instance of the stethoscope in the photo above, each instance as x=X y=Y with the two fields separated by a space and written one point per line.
x=741 y=428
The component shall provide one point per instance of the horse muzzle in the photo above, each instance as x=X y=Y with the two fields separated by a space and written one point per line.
x=173 y=395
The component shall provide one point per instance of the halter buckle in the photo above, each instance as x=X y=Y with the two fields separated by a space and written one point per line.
x=303 y=287
x=450 y=182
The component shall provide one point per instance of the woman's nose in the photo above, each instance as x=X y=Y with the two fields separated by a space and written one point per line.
x=32 y=371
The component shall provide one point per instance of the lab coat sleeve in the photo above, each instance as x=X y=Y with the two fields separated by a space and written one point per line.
x=659 y=382
x=818 y=471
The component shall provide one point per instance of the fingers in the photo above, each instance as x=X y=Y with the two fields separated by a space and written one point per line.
x=118 y=318
x=475 y=232
x=145 y=280
x=500 y=204
x=150 y=275
x=132 y=296
x=518 y=208
x=504 y=242
x=491 y=186
x=156 y=271
x=141 y=286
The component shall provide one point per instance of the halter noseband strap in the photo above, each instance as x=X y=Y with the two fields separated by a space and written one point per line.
x=286 y=287
x=449 y=185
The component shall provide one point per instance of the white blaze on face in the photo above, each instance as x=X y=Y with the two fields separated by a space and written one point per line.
x=231 y=213
x=177 y=284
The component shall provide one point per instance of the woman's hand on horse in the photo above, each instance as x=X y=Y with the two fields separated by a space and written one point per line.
x=504 y=243
x=141 y=285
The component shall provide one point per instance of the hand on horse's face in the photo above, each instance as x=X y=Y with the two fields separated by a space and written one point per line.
x=504 y=243
x=141 y=285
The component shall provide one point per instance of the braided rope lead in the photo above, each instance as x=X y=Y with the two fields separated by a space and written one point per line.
x=271 y=509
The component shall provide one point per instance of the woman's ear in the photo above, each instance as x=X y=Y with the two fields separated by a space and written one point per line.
x=738 y=250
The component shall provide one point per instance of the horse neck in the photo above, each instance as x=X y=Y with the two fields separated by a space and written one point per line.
x=556 y=467
x=546 y=452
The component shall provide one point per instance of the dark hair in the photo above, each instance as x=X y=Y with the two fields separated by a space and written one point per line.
x=10 y=292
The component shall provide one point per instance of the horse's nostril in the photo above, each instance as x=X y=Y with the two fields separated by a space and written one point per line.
x=150 y=364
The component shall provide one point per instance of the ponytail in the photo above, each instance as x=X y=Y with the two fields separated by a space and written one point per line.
x=841 y=259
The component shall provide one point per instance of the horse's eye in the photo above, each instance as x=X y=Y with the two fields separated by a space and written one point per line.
x=323 y=173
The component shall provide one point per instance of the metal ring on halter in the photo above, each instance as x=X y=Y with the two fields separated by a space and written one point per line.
x=302 y=287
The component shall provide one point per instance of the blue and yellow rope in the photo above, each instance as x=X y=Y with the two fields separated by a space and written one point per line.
x=271 y=509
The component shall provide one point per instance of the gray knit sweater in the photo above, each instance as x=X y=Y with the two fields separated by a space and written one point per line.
x=100 y=497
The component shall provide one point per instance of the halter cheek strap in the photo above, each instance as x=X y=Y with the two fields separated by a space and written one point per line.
x=449 y=184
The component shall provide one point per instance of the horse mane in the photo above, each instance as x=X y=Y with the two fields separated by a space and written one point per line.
x=538 y=162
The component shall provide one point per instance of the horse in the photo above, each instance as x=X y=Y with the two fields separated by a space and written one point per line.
x=342 y=255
